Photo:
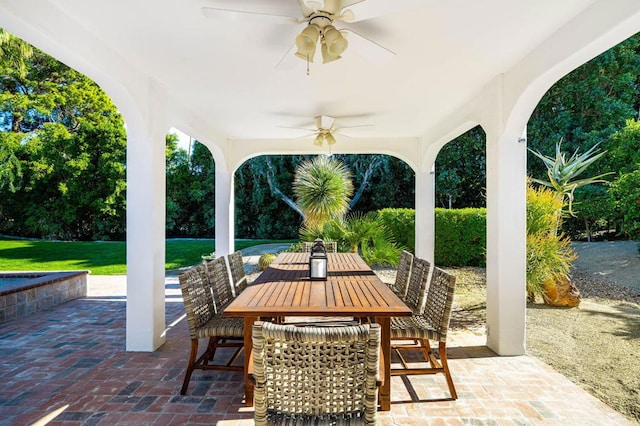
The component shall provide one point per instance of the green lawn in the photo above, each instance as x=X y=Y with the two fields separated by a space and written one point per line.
x=101 y=258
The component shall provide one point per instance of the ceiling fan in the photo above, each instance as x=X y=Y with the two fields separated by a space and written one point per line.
x=319 y=17
x=324 y=130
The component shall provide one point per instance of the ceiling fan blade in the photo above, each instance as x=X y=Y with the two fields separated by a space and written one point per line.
x=289 y=61
x=368 y=9
x=362 y=126
x=247 y=16
x=313 y=5
x=271 y=7
x=299 y=128
x=346 y=15
x=368 y=49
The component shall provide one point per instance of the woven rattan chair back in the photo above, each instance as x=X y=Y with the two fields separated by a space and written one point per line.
x=431 y=325
x=207 y=323
x=198 y=300
x=403 y=273
x=330 y=246
x=417 y=287
x=437 y=311
x=220 y=284
x=326 y=375
x=238 y=274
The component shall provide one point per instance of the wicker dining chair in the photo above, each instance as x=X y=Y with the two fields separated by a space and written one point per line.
x=238 y=274
x=416 y=293
x=206 y=322
x=431 y=325
x=315 y=375
x=403 y=273
x=330 y=246
x=218 y=275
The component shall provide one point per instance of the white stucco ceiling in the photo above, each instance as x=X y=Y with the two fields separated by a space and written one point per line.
x=220 y=75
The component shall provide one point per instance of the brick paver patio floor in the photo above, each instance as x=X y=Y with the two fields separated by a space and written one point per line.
x=68 y=365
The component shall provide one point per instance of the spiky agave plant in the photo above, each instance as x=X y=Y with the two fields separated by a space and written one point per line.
x=323 y=189
x=562 y=172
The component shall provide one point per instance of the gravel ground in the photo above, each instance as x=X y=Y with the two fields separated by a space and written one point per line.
x=595 y=345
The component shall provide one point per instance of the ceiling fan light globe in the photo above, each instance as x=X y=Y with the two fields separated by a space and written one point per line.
x=307 y=40
x=328 y=57
x=318 y=140
x=334 y=40
x=330 y=139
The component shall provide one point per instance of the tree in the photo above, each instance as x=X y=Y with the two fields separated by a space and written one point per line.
x=461 y=171
x=323 y=188
x=10 y=167
x=265 y=200
x=190 y=190
x=14 y=53
x=69 y=141
x=588 y=105
x=261 y=211
x=624 y=192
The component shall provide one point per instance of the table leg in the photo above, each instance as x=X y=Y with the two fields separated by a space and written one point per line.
x=384 y=393
x=248 y=346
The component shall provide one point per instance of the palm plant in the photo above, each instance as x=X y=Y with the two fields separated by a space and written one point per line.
x=562 y=172
x=358 y=233
x=322 y=187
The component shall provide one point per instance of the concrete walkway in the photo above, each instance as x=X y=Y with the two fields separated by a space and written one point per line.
x=115 y=286
x=618 y=261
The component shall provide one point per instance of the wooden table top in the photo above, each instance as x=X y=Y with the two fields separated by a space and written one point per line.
x=352 y=289
x=336 y=263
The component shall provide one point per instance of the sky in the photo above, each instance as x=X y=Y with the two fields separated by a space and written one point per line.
x=183 y=138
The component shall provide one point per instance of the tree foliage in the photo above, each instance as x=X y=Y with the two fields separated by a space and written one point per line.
x=190 y=191
x=65 y=142
x=265 y=205
x=461 y=171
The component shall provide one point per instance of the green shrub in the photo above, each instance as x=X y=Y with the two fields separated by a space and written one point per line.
x=625 y=192
x=461 y=237
x=549 y=255
x=265 y=260
x=358 y=233
x=402 y=225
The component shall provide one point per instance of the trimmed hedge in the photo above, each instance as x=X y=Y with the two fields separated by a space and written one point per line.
x=402 y=225
x=460 y=239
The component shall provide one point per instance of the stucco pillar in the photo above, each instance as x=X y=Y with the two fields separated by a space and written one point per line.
x=145 y=239
x=425 y=219
x=225 y=232
x=506 y=242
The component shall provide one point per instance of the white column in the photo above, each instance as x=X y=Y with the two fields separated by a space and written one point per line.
x=425 y=218
x=225 y=232
x=146 y=191
x=506 y=242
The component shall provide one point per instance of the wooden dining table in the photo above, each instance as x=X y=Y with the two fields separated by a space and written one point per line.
x=351 y=289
